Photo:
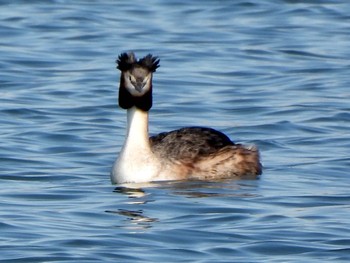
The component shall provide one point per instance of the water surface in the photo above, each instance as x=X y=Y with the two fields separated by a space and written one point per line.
x=270 y=73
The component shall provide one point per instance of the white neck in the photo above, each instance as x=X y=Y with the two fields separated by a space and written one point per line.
x=136 y=161
x=137 y=129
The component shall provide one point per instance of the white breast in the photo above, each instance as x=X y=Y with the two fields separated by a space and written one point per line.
x=136 y=162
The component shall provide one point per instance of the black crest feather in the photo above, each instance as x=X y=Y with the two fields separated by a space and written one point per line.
x=126 y=61
x=150 y=62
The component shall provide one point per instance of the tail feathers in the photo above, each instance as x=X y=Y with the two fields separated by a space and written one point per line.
x=231 y=161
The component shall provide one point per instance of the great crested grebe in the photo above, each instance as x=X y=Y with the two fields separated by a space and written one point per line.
x=191 y=153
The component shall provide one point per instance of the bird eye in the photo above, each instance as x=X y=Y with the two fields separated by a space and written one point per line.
x=132 y=79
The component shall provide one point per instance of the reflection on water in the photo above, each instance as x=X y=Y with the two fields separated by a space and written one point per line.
x=132 y=192
x=137 y=219
x=140 y=197
x=196 y=189
x=137 y=197
x=202 y=189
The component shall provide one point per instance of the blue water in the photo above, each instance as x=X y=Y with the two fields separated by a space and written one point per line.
x=270 y=73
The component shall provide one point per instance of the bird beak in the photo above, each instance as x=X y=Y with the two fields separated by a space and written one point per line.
x=139 y=86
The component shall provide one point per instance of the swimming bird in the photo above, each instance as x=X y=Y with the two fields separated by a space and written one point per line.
x=190 y=153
